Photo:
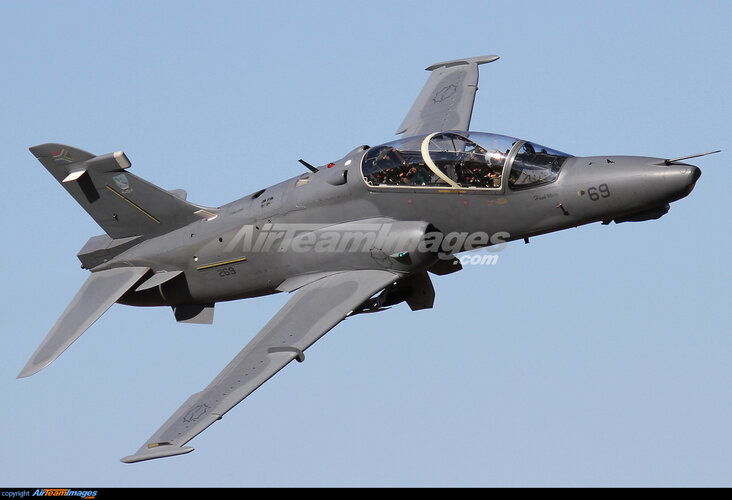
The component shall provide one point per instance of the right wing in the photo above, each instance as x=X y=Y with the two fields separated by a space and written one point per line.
x=446 y=100
x=312 y=311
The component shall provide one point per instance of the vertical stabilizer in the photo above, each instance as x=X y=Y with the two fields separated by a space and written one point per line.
x=123 y=204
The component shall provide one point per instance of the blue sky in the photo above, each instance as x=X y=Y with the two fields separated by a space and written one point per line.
x=604 y=361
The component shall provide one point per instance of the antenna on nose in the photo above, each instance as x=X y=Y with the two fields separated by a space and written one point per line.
x=676 y=160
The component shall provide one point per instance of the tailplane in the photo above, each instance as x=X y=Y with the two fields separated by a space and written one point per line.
x=123 y=204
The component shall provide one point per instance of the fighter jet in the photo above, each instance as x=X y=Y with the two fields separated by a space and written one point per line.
x=356 y=235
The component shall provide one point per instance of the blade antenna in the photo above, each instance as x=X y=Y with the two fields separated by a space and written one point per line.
x=309 y=166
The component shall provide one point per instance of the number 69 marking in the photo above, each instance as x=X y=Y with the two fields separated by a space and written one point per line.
x=601 y=191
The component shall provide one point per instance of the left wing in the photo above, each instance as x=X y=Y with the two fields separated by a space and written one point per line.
x=313 y=310
x=98 y=293
x=446 y=100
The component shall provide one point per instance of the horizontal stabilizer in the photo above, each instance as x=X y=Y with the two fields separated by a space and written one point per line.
x=100 y=249
x=97 y=294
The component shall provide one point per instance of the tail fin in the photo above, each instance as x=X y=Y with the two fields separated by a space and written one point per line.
x=123 y=204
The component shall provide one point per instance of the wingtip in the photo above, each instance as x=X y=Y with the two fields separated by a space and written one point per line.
x=37 y=362
x=157 y=452
x=468 y=60
x=30 y=369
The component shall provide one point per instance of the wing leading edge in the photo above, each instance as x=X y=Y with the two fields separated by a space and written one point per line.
x=312 y=311
x=446 y=100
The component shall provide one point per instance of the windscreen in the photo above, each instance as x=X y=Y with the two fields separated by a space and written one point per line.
x=535 y=165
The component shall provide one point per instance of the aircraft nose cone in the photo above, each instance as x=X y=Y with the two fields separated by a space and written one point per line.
x=696 y=173
x=681 y=179
x=689 y=174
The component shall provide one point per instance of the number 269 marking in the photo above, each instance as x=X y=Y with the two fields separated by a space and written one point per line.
x=227 y=271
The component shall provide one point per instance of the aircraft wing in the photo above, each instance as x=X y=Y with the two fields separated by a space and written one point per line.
x=99 y=292
x=446 y=100
x=311 y=312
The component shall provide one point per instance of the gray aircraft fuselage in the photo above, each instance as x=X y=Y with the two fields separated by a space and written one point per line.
x=218 y=265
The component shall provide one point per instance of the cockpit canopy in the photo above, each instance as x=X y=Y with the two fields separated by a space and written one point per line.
x=462 y=160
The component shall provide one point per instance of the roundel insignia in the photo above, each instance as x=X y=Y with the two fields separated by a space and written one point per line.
x=62 y=156
x=195 y=413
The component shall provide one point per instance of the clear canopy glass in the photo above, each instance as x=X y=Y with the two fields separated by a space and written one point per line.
x=535 y=165
x=462 y=160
